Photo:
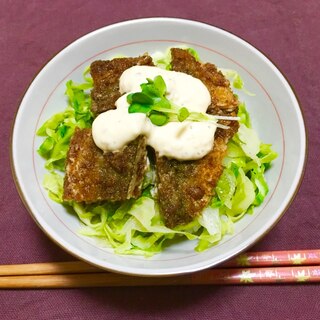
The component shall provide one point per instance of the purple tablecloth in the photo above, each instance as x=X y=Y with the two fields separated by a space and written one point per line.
x=286 y=31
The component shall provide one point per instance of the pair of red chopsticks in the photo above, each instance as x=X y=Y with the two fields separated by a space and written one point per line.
x=249 y=268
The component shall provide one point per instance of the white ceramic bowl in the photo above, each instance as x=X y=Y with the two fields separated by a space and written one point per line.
x=275 y=115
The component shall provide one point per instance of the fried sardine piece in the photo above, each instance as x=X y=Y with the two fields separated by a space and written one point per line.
x=93 y=175
x=185 y=188
x=106 y=75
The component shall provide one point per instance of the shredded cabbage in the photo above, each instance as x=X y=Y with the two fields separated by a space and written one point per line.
x=59 y=129
x=236 y=80
x=136 y=226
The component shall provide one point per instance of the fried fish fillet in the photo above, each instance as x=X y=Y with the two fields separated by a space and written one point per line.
x=185 y=188
x=106 y=75
x=222 y=98
x=93 y=175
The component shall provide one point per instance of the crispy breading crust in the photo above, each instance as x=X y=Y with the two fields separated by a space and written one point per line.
x=106 y=75
x=186 y=187
x=92 y=175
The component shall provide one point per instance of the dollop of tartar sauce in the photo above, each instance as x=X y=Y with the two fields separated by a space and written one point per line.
x=186 y=140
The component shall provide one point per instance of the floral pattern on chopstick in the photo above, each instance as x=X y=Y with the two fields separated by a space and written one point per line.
x=275 y=258
x=265 y=275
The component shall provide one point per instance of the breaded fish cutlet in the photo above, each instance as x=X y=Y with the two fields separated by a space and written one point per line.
x=185 y=188
x=106 y=75
x=93 y=175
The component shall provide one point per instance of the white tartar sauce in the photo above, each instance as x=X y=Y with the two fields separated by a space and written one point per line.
x=186 y=140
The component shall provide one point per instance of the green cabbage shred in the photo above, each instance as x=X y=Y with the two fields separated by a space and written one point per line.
x=136 y=226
